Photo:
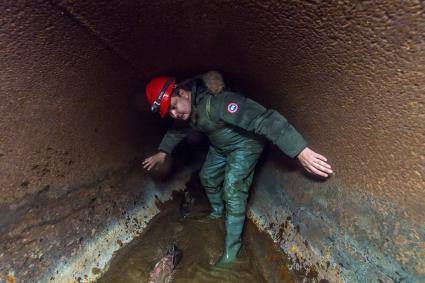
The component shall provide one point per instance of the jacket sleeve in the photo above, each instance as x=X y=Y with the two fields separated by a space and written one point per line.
x=172 y=138
x=247 y=114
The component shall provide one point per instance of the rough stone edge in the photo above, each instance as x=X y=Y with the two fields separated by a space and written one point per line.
x=114 y=236
x=293 y=243
x=300 y=256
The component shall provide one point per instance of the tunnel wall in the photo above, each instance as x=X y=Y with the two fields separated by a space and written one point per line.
x=70 y=144
x=348 y=75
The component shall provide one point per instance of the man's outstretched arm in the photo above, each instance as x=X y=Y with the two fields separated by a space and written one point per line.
x=251 y=116
x=170 y=140
x=314 y=163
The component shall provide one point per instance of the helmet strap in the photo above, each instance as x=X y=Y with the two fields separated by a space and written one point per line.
x=157 y=102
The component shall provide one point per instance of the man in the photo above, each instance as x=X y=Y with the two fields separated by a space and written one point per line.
x=236 y=127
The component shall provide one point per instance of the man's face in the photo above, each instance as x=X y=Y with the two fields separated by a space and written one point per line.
x=180 y=106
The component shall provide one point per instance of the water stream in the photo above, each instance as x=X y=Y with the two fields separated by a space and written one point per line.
x=201 y=243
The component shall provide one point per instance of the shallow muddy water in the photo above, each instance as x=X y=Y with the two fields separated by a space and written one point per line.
x=201 y=243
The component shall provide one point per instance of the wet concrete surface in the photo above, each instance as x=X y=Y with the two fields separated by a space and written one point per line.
x=202 y=244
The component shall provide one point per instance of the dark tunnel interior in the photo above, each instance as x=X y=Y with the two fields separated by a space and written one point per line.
x=74 y=127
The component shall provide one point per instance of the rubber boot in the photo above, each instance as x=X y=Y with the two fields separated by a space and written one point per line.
x=233 y=241
x=217 y=205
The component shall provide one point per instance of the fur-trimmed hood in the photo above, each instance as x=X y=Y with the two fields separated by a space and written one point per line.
x=214 y=82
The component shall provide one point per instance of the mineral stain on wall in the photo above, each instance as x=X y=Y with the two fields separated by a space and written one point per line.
x=343 y=236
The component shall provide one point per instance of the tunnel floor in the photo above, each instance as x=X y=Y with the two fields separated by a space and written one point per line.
x=201 y=243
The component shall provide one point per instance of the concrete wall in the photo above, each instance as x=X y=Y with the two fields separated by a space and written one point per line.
x=69 y=133
x=350 y=76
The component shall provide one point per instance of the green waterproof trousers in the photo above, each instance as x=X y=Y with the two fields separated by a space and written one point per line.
x=227 y=177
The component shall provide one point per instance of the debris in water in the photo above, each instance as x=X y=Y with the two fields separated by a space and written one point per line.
x=186 y=204
x=164 y=269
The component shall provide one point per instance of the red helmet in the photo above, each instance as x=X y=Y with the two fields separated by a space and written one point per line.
x=158 y=93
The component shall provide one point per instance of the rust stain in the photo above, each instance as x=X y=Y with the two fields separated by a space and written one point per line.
x=96 y=270
x=11 y=278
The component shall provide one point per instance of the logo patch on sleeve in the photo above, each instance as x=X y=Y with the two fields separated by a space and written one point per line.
x=232 y=107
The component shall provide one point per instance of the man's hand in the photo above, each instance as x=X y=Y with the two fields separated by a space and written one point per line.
x=151 y=161
x=314 y=163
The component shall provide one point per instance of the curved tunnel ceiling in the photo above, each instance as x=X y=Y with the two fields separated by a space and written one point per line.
x=349 y=75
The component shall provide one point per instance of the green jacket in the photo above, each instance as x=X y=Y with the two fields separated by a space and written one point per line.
x=232 y=121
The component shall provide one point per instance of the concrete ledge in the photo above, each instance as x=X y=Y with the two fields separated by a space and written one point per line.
x=343 y=234
x=92 y=260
